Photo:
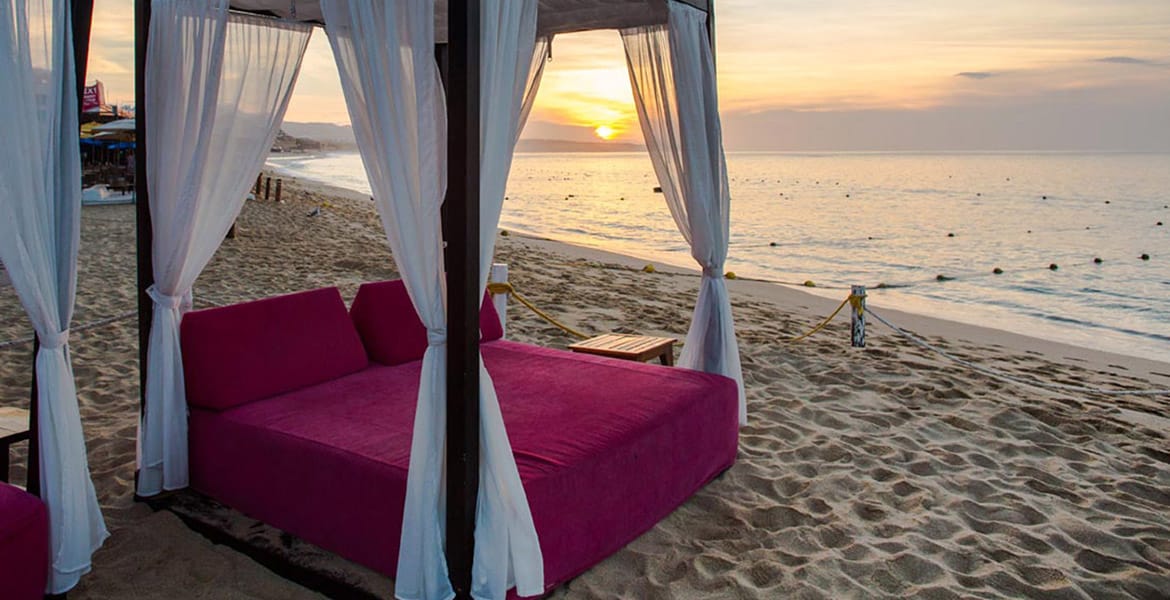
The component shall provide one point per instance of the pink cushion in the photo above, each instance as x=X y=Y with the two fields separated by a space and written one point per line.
x=601 y=464
x=390 y=328
x=24 y=545
x=241 y=353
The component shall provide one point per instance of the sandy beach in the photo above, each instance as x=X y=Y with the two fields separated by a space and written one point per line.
x=884 y=471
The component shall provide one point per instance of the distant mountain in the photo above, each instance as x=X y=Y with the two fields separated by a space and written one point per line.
x=567 y=146
x=340 y=137
x=329 y=134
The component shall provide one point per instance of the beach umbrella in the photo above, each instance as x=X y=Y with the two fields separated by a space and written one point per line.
x=119 y=126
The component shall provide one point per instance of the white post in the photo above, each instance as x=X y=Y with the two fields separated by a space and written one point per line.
x=858 y=336
x=499 y=274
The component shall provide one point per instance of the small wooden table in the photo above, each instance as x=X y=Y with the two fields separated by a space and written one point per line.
x=629 y=347
x=13 y=428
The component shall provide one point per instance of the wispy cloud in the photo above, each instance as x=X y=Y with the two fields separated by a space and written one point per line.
x=1130 y=60
x=975 y=74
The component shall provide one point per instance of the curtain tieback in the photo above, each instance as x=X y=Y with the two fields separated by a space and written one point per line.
x=436 y=337
x=53 y=341
x=716 y=272
x=163 y=300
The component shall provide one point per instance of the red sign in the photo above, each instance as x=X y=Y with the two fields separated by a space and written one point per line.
x=92 y=96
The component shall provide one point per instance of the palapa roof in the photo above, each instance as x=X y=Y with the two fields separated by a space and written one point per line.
x=555 y=16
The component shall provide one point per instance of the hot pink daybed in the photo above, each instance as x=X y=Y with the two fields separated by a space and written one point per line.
x=301 y=416
x=24 y=544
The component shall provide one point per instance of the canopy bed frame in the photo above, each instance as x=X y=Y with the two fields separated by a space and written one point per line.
x=682 y=132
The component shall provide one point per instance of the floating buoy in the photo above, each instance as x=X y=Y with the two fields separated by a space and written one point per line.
x=978 y=193
x=1097 y=260
x=809 y=283
x=1145 y=257
x=1043 y=197
x=1029 y=231
x=772 y=244
x=623 y=199
x=1087 y=228
x=846 y=195
x=1158 y=224
x=649 y=268
x=997 y=271
x=950 y=235
x=941 y=277
x=1108 y=202
x=730 y=275
x=869 y=238
x=1053 y=267
x=504 y=232
x=657 y=190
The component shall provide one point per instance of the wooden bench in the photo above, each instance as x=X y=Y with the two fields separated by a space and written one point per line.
x=639 y=348
x=13 y=428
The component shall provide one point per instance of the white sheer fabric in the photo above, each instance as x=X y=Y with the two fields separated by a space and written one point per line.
x=40 y=217
x=672 y=71
x=507 y=551
x=217 y=87
x=385 y=56
x=396 y=104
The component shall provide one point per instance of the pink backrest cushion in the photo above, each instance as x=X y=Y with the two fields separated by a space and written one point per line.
x=390 y=328
x=238 y=354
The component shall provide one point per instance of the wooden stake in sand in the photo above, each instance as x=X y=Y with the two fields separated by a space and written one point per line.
x=267 y=187
x=278 y=183
x=857 y=304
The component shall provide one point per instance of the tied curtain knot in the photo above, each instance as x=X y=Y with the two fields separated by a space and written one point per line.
x=715 y=271
x=53 y=341
x=436 y=337
x=163 y=300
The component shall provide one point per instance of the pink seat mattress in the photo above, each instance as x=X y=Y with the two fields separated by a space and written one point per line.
x=24 y=544
x=605 y=449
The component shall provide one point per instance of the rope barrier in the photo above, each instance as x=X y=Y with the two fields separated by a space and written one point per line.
x=506 y=288
x=826 y=321
x=82 y=327
x=996 y=374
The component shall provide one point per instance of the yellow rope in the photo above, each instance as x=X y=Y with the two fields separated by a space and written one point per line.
x=506 y=288
x=829 y=318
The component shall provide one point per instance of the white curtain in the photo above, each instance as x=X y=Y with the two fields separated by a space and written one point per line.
x=384 y=52
x=672 y=71
x=217 y=86
x=385 y=56
x=507 y=551
x=40 y=220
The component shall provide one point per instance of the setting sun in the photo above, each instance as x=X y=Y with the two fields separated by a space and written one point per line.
x=605 y=132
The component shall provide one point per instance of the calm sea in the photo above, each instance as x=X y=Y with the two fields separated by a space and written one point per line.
x=896 y=219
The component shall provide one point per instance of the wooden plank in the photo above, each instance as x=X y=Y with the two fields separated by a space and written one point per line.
x=13 y=423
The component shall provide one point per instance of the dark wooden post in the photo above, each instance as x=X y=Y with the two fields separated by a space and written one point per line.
x=256 y=188
x=142 y=216
x=267 y=187
x=278 y=186
x=463 y=293
x=32 y=474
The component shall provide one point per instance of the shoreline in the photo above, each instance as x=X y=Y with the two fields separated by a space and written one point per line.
x=818 y=306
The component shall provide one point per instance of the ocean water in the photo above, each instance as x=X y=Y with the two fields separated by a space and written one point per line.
x=896 y=219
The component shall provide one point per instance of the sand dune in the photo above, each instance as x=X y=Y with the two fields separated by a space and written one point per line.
x=863 y=473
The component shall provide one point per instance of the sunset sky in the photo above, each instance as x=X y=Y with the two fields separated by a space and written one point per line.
x=843 y=75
